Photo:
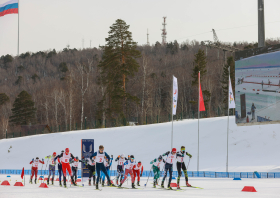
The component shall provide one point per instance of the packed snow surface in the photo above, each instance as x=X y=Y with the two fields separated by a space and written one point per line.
x=251 y=148
x=213 y=188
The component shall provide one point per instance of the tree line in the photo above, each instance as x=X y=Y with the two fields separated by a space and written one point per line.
x=118 y=80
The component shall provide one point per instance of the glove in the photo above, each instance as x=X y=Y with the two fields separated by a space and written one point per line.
x=42 y=159
x=119 y=156
x=141 y=175
x=33 y=160
x=190 y=156
x=168 y=152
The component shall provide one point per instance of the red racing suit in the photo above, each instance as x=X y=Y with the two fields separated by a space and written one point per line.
x=136 y=170
x=35 y=165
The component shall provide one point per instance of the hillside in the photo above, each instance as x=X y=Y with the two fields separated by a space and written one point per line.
x=251 y=148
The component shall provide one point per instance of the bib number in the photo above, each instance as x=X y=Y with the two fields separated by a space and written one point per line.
x=100 y=159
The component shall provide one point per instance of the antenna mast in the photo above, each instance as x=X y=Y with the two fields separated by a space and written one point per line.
x=148 y=43
x=164 y=33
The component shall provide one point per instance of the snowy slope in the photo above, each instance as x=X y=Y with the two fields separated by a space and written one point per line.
x=251 y=148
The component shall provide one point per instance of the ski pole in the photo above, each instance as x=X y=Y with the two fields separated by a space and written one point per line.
x=46 y=169
x=148 y=176
x=188 y=163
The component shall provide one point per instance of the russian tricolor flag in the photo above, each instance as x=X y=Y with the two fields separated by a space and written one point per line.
x=8 y=7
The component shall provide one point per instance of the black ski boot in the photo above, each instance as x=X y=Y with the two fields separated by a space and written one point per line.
x=89 y=182
x=96 y=185
x=120 y=185
x=30 y=181
x=48 y=181
x=35 y=181
x=138 y=183
x=178 y=186
x=60 y=184
x=154 y=186
x=162 y=184
x=168 y=187
x=52 y=181
x=133 y=185
x=110 y=183
x=102 y=183
x=74 y=183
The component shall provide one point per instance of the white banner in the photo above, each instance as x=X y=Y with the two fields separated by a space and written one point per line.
x=175 y=94
x=231 y=103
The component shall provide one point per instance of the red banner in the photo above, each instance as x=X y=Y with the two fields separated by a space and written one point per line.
x=22 y=173
x=201 y=101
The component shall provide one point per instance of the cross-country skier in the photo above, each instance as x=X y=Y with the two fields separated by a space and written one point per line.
x=107 y=164
x=169 y=166
x=121 y=160
x=59 y=167
x=156 y=169
x=90 y=165
x=51 y=166
x=129 y=165
x=65 y=159
x=181 y=165
x=35 y=164
x=138 y=171
x=99 y=157
x=75 y=164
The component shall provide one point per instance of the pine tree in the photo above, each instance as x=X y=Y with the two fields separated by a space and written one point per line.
x=23 y=111
x=224 y=81
x=200 y=65
x=117 y=64
x=3 y=99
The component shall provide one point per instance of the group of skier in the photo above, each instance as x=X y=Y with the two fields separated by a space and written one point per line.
x=100 y=161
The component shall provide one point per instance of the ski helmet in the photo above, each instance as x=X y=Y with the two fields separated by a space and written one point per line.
x=37 y=157
x=132 y=156
x=62 y=151
x=67 y=150
x=122 y=155
x=77 y=157
x=160 y=157
x=54 y=153
x=139 y=162
x=174 y=150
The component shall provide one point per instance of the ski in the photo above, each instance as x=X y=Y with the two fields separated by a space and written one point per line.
x=192 y=187
x=131 y=188
x=170 y=189
x=98 y=189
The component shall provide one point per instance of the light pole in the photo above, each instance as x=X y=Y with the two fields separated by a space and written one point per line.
x=85 y=122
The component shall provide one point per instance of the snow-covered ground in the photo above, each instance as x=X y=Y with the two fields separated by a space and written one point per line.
x=216 y=188
x=251 y=148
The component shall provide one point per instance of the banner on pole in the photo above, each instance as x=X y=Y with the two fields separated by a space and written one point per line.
x=201 y=101
x=231 y=102
x=8 y=7
x=175 y=94
x=87 y=150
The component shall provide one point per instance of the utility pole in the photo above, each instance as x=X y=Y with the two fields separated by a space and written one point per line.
x=90 y=44
x=164 y=33
x=148 y=43
x=83 y=40
x=261 y=28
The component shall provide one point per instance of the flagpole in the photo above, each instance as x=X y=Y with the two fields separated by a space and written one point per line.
x=228 y=117
x=198 y=121
x=18 y=30
x=172 y=112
